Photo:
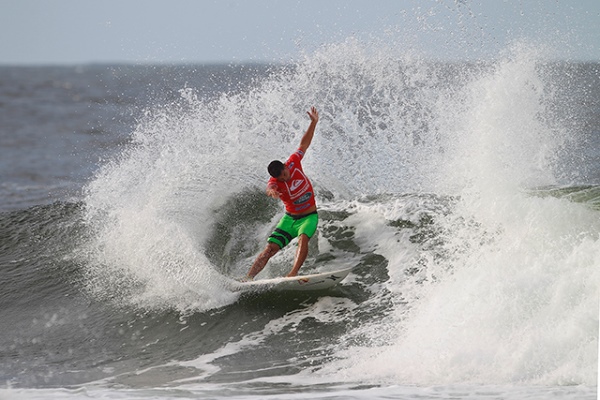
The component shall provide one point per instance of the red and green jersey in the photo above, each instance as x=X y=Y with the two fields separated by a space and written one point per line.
x=297 y=193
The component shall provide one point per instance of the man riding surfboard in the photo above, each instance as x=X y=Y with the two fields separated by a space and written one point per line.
x=289 y=184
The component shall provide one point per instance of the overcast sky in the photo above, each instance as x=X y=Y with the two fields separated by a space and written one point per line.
x=207 y=31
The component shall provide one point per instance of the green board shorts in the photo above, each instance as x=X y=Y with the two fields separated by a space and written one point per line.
x=290 y=227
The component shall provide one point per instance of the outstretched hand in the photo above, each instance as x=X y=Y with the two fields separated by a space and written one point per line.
x=313 y=114
x=272 y=192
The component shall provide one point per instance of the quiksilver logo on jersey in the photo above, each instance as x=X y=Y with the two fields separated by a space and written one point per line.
x=296 y=184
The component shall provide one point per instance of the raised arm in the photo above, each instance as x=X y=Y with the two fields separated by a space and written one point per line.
x=310 y=132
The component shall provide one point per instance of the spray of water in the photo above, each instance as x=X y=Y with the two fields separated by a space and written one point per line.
x=508 y=292
x=505 y=292
x=154 y=207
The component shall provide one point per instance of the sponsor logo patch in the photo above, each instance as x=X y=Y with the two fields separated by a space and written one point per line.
x=304 y=198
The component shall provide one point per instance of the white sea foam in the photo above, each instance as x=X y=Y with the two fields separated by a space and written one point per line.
x=506 y=289
x=514 y=298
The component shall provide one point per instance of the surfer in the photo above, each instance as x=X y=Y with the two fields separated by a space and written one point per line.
x=289 y=184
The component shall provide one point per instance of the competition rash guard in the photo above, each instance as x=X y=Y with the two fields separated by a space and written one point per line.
x=297 y=193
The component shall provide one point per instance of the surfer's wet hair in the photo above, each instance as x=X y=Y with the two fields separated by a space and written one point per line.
x=275 y=168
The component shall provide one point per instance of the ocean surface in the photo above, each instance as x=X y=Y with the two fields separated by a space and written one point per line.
x=467 y=196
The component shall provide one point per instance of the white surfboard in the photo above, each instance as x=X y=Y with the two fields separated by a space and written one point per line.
x=320 y=281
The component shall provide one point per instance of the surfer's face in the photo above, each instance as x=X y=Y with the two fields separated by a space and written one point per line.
x=285 y=175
